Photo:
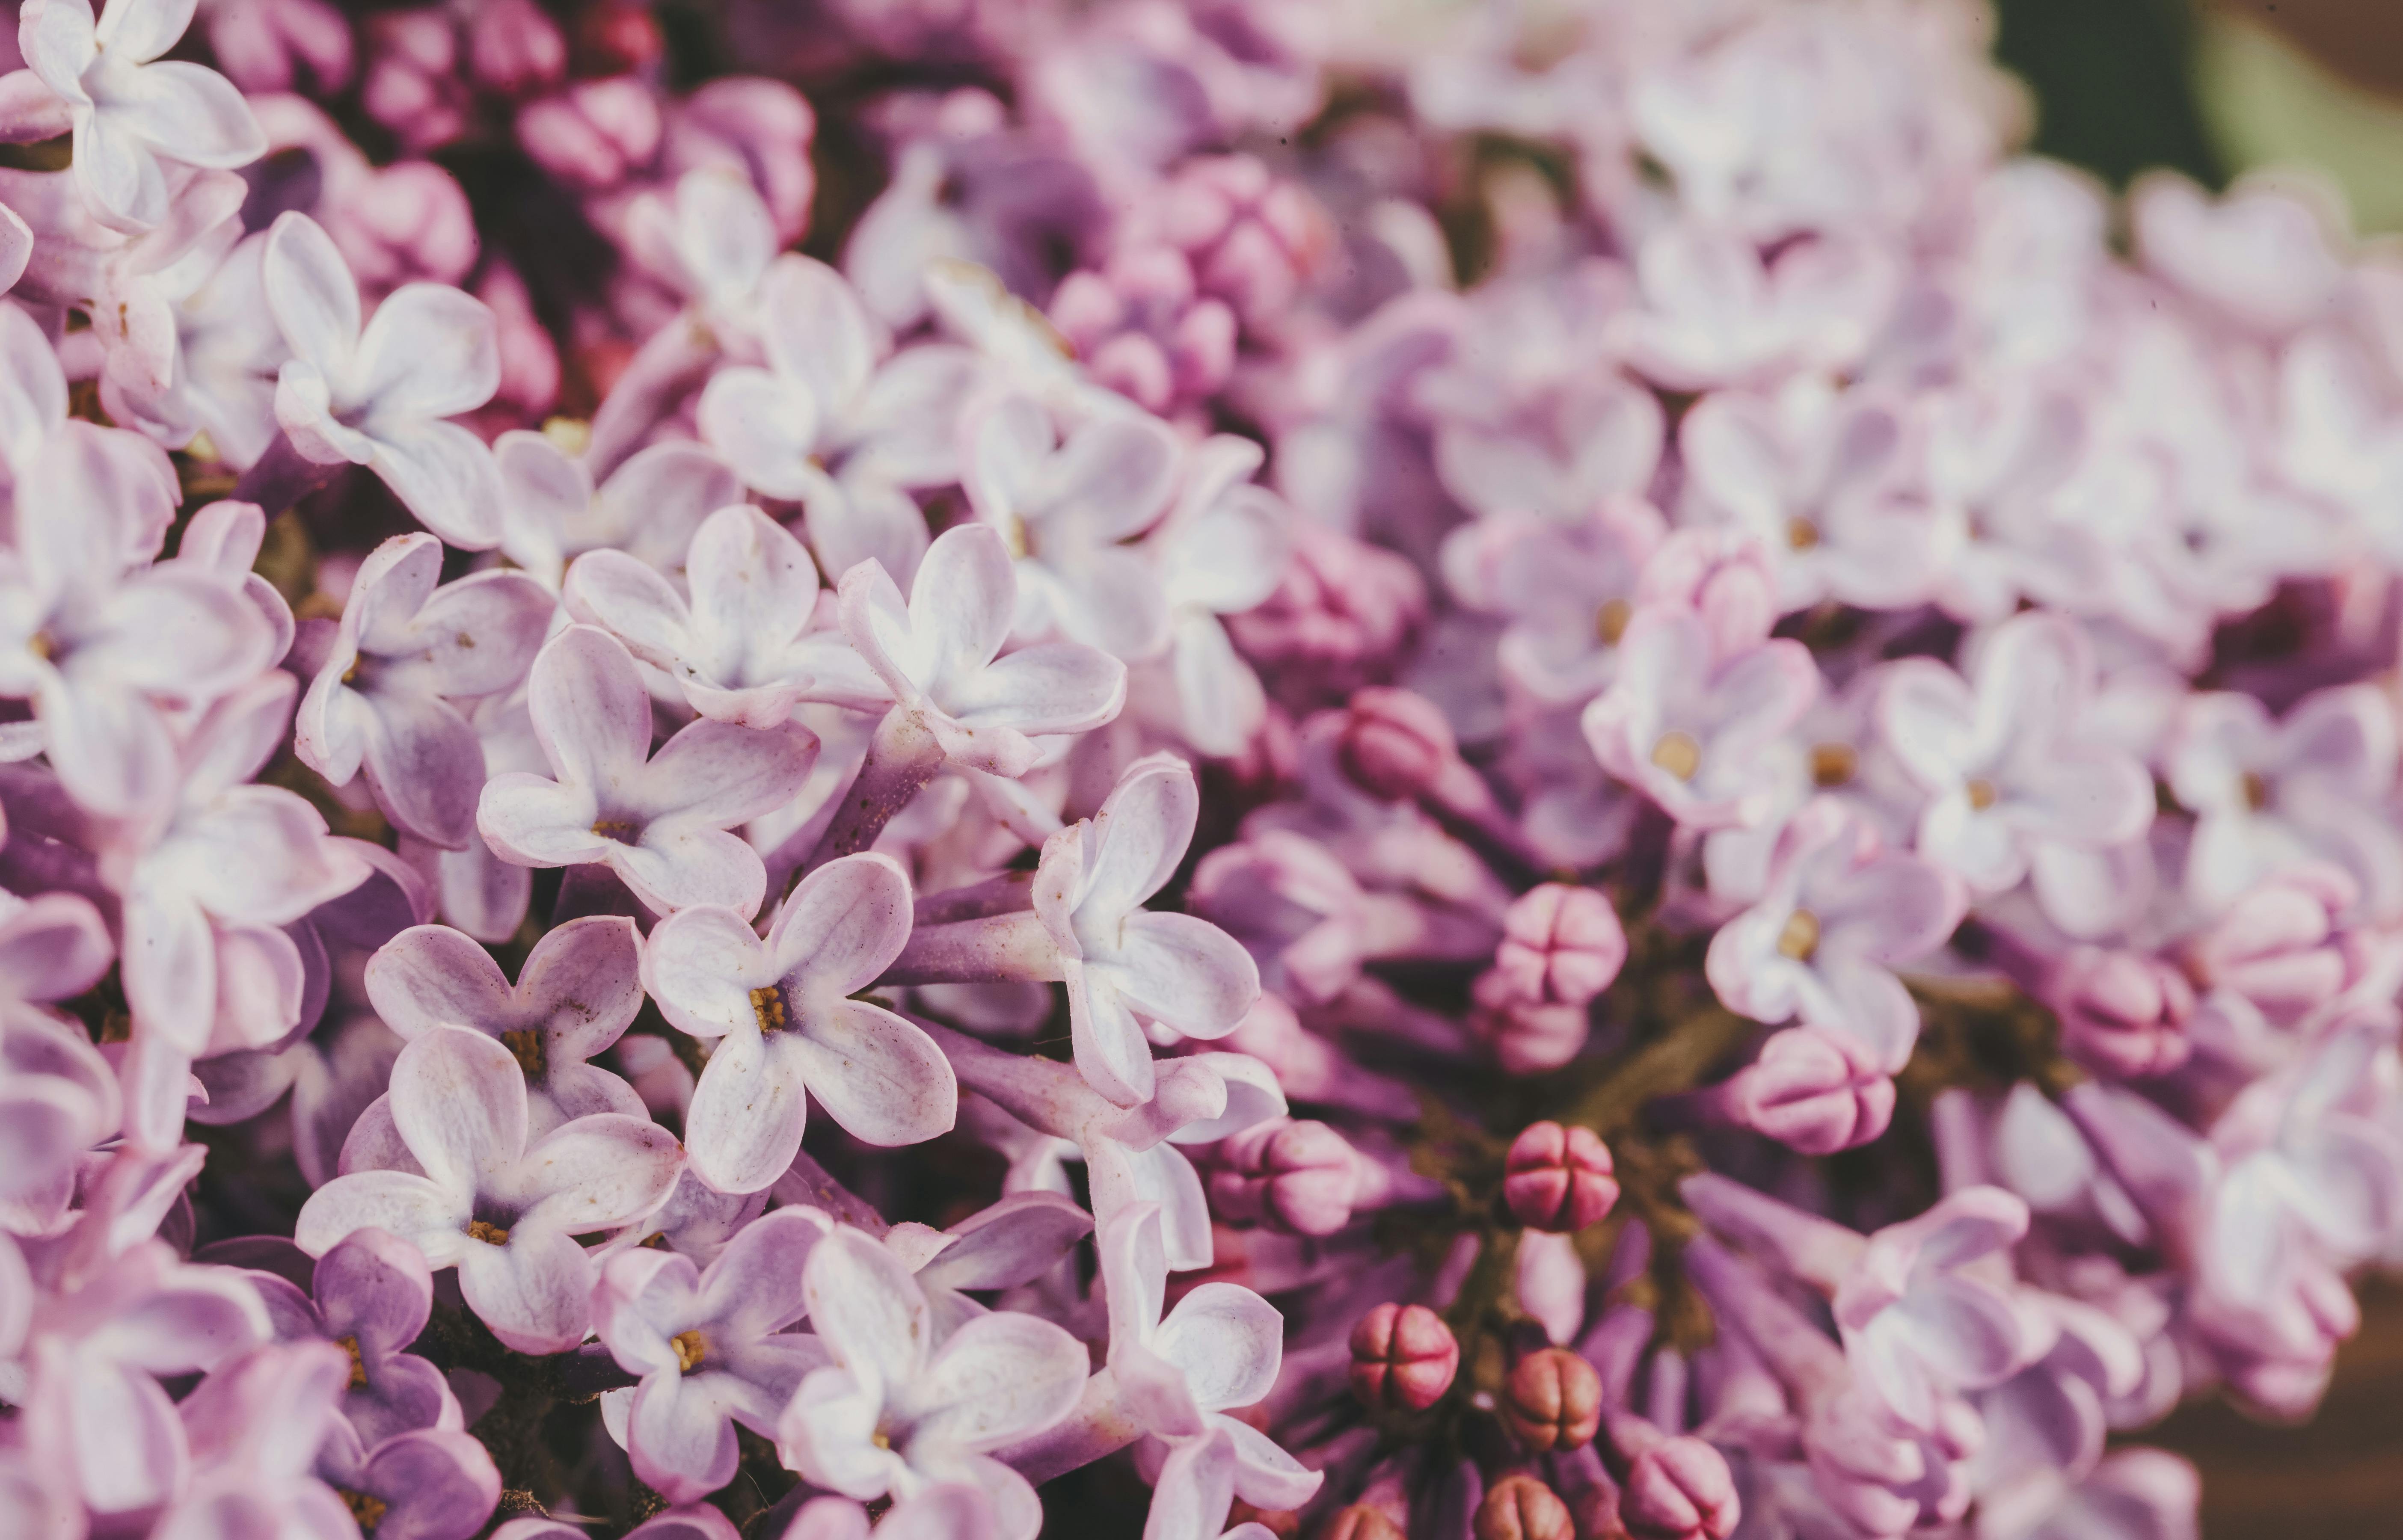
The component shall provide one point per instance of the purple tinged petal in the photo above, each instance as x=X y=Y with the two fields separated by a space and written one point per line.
x=767 y=428
x=843 y=924
x=533 y=1292
x=745 y=1124
x=1011 y=1243
x=459 y=1101
x=720 y=775
x=437 y=1485
x=867 y=1307
x=702 y=965
x=310 y=289
x=443 y=474
x=591 y=715
x=1000 y=1378
x=431 y=975
x=878 y=1075
x=375 y=1286
x=1228 y=1341
x=427 y=1214
x=680 y=1437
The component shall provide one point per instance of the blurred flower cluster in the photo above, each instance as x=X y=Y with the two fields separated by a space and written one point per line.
x=1525 y=770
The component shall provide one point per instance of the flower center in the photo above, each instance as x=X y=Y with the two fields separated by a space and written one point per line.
x=625 y=831
x=1799 y=937
x=690 y=1348
x=768 y=1005
x=1610 y=621
x=2257 y=791
x=1800 y=534
x=358 y=1365
x=1833 y=764
x=525 y=1043
x=43 y=645
x=368 y=1511
x=1982 y=794
x=488 y=1232
x=1679 y=753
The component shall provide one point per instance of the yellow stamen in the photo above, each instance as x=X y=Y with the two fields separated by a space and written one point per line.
x=492 y=1235
x=368 y=1511
x=525 y=1043
x=622 y=830
x=358 y=1365
x=690 y=1347
x=1800 y=937
x=1833 y=764
x=1982 y=794
x=768 y=1005
x=1679 y=753
x=1610 y=621
x=1801 y=533
x=2256 y=792
x=572 y=435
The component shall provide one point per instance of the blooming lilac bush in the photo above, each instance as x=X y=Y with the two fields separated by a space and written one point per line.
x=1504 y=777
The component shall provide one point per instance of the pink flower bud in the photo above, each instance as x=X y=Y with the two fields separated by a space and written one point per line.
x=1296 y=1176
x=273 y=44
x=2120 y=1012
x=514 y=48
x=1527 y=1039
x=1341 y=615
x=1552 y=1401
x=1362 y=1522
x=1395 y=744
x=595 y=133
x=2281 y=945
x=1678 y=1489
x=1561 y=945
x=1559 y=1179
x=1403 y=1357
x=412 y=86
x=404 y=223
x=1813 y=1091
x=1520 y=1507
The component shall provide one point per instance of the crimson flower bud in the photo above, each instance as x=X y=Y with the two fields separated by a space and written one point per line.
x=1403 y=1357
x=1552 y=1401
x=1559 y=1179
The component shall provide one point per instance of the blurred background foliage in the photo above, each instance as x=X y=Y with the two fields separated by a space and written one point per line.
x=2216 y=88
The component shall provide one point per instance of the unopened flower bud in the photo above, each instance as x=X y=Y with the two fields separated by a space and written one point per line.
x=513 y=48
x=1395 y=744
x=1520 y=1507
x=2281 y=945
x=1552 y=1401
x=1673 y=1488
x=1403 y=1357
x=1813 y=1091
x=595 y=133
x=2122 y=1013
x=1559 y=1179
x=1298 y=1176
x=1561 y=945
x=1528 y=1039
x=1360 y=1522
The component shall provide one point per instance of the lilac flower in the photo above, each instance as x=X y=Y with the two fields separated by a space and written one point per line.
x=431 y=1484
x=1220 y=551
x=658 y=821
x=1062 y=504
x=379 y=397
x=2267 y=797
x=835 y=423
x=2008 y=771
x=95 y=1352
x=941 y=655
x=128 y=109
x=483 y=1201
x=223 y=866
x=958 y=699
x=578 y=992
x=552 y=512
x=1686 y=725
x=1836 y=915
x=60 y=1097
x=1173 y=1376
x=1825 y=483
x=1010 y=1242
x=1716 y=313
x=385 y=697
x=754 y=640
x=373 y=1296
x=782 y=1022
x=253 y=1427
x=1087 y=924
x=711 y=1347
x=895 y=1413
x=1565 y=590
x=99 y=650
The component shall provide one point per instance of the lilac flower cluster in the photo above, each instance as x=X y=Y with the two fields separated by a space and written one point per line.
x=1533 y=772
